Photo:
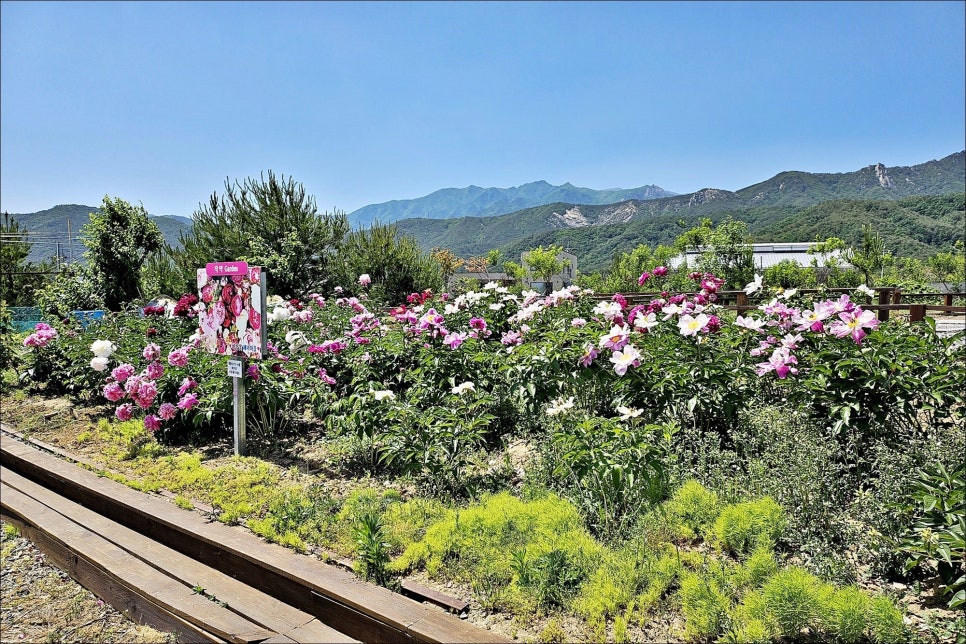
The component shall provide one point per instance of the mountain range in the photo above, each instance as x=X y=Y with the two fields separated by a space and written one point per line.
x=474 y=201
x=903 y=201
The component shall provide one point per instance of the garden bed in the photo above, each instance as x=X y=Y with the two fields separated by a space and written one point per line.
x=574 y=470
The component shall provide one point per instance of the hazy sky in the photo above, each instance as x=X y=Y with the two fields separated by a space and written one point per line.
x=160 y=102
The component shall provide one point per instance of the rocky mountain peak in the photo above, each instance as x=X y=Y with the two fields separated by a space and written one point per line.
x=884 y=179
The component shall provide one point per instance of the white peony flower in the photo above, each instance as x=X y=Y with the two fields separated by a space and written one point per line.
x=102 y=348
x=461 y=389
x=98 y=363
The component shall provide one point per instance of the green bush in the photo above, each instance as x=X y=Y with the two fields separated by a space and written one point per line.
x=885 y=620
x=538 y=548
x=705 y=606
x=846 y=614
x=937 y=536
x=690 y=511
x=742 y=527
x=794 y=600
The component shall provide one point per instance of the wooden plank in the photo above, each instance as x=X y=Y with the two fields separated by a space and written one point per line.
x=134 y=606
x=116 y=576
x=436 y=597
x=361 y=610
x=253 y=605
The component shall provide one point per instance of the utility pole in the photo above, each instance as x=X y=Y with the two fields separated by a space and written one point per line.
x=70 y=243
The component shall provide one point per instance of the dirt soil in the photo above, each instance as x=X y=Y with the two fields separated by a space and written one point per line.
x=41 y=603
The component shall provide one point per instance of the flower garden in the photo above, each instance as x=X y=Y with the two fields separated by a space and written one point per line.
x=580 y=467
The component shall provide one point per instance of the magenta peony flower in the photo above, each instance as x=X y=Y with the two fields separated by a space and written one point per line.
x=188 y=401
x=113 y=391
x=178 y=357
x=123 y=372
x=155 y=370
x=151 y=352
x=167 y=411
x=152 y=423
x=124 y=412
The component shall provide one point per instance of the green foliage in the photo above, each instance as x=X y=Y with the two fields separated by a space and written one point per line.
x=537 y=549
x=794 y=599
x=611 y=588
x=270 y=223
x=544 y=263
x=612 y=470
x=742 y=527
x=691 y=511
x=434 y=438
x=885 y=621
x=118 y=238
x=372 y=547
x=705 y=606
x=75 y=288
x=870 y=257
x=893 y=389
x=16 y=284
x=394 y=262
x=846 y=614
x=937 y=537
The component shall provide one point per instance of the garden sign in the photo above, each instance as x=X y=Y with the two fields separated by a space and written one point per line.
x=233 y=295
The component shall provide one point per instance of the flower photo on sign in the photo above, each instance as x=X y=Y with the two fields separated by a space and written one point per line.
x=232 y=297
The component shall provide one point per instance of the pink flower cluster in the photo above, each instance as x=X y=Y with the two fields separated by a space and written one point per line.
x=840 y=318
x=43 y=333
x=140 y=390
x=659 y=271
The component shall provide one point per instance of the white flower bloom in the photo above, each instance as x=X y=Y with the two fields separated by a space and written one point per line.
x=865 y=290
x=560 y=405
x=753 y=287
x=380 y=395
x=692 y=325
x=788 y=293
x=279 y=314
x=98 y=363
x=450 y=309
x=645 y=320
x=461 y=389
x=489 y=286
x=296 y=340
x=102 y=348
x=274 y=300
x=629 y=412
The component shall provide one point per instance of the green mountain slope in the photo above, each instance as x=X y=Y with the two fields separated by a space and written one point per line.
x=474 y=201
x=49 y=230
x=595 y=233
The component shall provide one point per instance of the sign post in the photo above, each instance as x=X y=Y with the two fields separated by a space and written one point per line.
x=236 y=369
x=231 y=324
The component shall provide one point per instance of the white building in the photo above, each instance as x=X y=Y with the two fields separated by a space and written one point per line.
x=767 y=255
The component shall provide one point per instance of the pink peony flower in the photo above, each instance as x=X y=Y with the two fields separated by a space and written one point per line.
x=188 y=401
x=154 y=370
x=186 y=385
x=167 y=411
x=152 y=423
x=151 y=352
x=178 y=357
x=113 y=391
x=124 y=412
x=122 y=372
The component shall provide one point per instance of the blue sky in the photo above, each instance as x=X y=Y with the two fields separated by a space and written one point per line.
x=160 y=102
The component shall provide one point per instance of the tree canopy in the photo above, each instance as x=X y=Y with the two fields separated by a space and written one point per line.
x=270 y=223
